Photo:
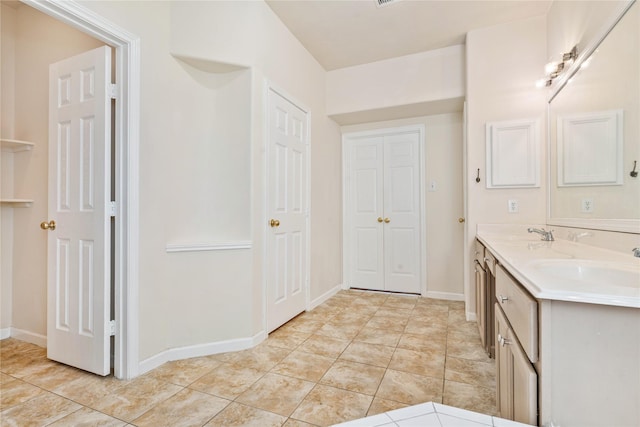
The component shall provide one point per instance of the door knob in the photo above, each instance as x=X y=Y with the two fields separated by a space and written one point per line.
x=274 y=223
x=387 y=220
x=461 y=220
x=51 y=225
x=379 y=219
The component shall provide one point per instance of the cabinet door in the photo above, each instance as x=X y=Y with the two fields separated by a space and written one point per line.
x=525 y=385
x=504 y=367
x=481 y=304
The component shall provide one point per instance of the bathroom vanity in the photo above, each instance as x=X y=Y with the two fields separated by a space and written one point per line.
x=567 y=330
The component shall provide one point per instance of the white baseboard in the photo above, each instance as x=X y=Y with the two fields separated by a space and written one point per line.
x=445 y=295
x=5 y=333
x=322 y=298
x=471 y=317
x=28 y=336
x=199 y=350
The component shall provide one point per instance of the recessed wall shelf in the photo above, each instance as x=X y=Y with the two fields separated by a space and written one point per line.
x=14 y=145
x=17 y=203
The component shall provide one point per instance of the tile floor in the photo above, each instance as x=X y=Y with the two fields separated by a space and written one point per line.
x=356 y=355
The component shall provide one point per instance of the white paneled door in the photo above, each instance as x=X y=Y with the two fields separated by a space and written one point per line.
x=287 y=211
x=78 y=226
x=383 y=211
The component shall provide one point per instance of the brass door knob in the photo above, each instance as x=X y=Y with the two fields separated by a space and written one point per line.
x=379 y=219
x=274 y=223
x=51 y=225
x=387 y=220
x=460 y=220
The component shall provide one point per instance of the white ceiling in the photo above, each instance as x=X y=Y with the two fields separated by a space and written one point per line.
x=342 y=33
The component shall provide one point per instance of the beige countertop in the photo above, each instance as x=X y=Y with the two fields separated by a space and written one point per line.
x=564 y=270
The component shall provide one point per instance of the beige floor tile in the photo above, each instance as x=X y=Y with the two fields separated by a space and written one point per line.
x=4 y=378
x=471 y=372
x=55 y=375
x=462 y=346
x=296 y=423
x=430 y=364
x=184 y=372
x=387 y=323
x=15 y=391
x=23 y=364
x=457 y=316
x=262 y=357
x=326 y=405
x=404 y=302
x=236 y=415
x=425 y=327
x=378 y=336
x=324 y=346
x=425 y=343
x=471 y=397
x=40 y=411
x=136 y=398
x=396 y=313
x=350 y=317
x=370 y=354
x=287 y=338
x=305 y=366
x=276 y=393
x=354 y=376
x=185 y=408
x=438 y=317
x=409 y=388
x=428 y=306
x=309 y=325
x=468 y=329
x=342 y=332
x=89 y=390
x=380 y=405
x=227 y=381
x=88 y=417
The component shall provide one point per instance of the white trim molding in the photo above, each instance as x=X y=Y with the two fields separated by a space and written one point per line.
x=199 y=350
x=127 y=136
x=5 y=333
x=445 y=295
x=28 y=336
x=199 y=247
x=324 y=297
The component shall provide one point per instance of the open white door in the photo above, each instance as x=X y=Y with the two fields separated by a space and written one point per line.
x=78 y=289
x=287 y=205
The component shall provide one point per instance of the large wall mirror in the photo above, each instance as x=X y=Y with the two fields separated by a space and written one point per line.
x=594 y=135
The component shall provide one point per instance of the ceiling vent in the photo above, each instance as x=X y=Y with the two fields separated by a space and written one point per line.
x=383 y=3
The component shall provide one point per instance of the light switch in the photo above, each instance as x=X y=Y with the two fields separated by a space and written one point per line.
x=432 y=186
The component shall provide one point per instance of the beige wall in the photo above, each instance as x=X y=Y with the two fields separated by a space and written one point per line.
x=503 y=64
x=443 y=164
x=213 y=296
x=38 y=41
x=422 y=77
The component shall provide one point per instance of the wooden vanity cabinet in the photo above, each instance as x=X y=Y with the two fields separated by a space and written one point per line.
x=516 y=349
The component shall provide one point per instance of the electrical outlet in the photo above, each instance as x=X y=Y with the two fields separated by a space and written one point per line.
x=586 y=206
x=432 y=186
x=513 y=205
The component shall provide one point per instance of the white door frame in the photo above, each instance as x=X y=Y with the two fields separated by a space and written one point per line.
x=346 y=177
x=269 y=86
x=127 y=47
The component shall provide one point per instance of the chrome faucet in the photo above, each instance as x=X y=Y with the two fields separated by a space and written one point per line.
x=636 y=252
x=546 y=235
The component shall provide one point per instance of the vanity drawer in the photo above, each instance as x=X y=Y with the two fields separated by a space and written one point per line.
x=521 y=309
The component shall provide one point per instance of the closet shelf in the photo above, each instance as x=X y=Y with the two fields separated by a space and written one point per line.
x=17 y=203
x=14 y=145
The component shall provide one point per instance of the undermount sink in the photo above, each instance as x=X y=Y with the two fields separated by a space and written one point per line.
x=596 y=272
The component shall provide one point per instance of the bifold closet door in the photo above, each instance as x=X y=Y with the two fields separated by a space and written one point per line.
x=383 y=211
x=402 y=213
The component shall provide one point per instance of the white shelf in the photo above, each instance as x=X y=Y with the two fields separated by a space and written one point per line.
x=17 y=203
x=14 y=145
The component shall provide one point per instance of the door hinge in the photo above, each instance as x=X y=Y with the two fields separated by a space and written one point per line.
x=112 y=328
x=112 y=208
x=113 y=91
